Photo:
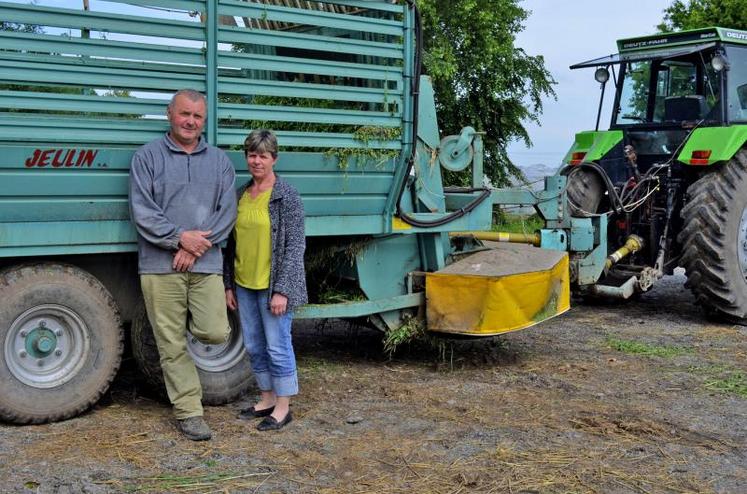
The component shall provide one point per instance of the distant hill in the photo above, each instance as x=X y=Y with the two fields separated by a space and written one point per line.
x=537 y=171
x=534 y=174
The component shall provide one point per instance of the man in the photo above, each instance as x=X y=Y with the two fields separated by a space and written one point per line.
x=183 y=204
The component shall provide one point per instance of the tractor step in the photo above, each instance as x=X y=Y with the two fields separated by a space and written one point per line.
x=506 y=288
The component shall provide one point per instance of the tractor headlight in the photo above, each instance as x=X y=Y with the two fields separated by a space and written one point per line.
x=602 y=75
x=719 y=62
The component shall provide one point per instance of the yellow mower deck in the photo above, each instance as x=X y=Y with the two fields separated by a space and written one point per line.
x=505 y=288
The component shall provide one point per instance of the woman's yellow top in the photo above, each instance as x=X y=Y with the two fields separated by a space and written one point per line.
x=253 y=241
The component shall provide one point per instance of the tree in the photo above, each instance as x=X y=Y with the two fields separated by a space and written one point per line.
x=693 y=14
x=23 y=28
x=481 y=78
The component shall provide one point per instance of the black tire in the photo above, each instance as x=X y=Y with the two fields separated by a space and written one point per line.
x=224 y=370
x=712 y=243
x=585 y=190
x=61 y=342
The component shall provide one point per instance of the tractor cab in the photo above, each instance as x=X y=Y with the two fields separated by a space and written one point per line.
x=669 y=84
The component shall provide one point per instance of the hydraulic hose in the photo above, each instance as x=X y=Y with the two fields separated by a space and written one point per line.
x=454 y=214
x=415 y=85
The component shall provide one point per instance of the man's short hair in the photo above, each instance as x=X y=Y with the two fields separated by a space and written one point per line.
x=261 y=141
x=190 y=94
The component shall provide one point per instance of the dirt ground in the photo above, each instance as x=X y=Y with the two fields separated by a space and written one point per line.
x=641 y=397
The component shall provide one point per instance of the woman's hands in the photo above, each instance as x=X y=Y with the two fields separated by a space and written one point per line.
x=278 y=304
x=231 y=299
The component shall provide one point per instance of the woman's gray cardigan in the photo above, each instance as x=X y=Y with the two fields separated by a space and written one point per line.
x=288 y=240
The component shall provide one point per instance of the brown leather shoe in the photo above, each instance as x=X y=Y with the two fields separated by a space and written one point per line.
x=270 y=424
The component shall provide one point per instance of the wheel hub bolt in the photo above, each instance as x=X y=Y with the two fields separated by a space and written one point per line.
x=45 y=344
x=23 y=354
x=40 y=362
x=58 y=332
x=23 y=334
x=42 y=324
x=208 y=348
x=194 y=340
x=58 y=352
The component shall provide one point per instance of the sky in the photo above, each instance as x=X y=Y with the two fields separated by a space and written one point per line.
x=566 y=33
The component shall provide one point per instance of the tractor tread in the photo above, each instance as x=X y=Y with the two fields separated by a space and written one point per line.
x=708 y=257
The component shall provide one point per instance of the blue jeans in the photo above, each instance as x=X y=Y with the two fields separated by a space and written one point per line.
x=267 y=339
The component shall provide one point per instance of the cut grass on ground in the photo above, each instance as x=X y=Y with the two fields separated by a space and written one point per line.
x=213 y=482
x=733 y=383
x=724 y=379
x=638 y=348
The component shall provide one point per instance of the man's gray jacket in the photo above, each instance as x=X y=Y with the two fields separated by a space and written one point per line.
x=172 y=191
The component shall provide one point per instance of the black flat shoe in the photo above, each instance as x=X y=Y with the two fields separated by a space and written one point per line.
x=270 y=424
x=252 y=413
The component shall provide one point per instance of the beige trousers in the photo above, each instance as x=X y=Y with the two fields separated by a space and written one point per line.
x=168 y=299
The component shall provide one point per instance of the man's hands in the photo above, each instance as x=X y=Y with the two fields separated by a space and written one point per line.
x=183 y=261
x=194 y=242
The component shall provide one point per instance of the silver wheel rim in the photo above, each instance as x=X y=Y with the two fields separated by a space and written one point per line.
x=47 y=345
x=217 y=358
x=742 y=243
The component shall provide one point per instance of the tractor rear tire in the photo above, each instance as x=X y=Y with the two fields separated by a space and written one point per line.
x=224 y=370
x=714 y=240
x=585 y=191
x=61 y=342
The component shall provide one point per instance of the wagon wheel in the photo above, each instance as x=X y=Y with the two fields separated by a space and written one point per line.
x=224 y=369
x=61 y=342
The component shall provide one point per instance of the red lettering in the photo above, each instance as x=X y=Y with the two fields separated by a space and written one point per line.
x=87 y=157
x=44 y=158
x=56 y=162
x=69 y=158
x=62 y=157
x=33 y=160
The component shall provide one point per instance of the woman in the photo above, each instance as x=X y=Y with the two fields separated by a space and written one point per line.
x=265 y=279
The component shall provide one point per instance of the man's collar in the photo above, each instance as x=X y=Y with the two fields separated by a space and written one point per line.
x=201 y=145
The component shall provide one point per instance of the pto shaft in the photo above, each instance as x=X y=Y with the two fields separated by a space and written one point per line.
x=516 y=238
x=633 y=244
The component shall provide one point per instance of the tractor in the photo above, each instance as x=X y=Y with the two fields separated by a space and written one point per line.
x=666 y=185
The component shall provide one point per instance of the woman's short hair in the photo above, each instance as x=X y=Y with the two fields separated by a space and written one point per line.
x=261 y=141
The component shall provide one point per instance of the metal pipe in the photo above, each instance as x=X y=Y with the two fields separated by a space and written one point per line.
x=633 y=244
x=601 y=103
x=516 y=238
x=624 y=291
